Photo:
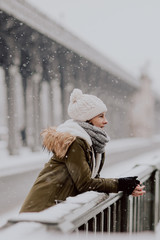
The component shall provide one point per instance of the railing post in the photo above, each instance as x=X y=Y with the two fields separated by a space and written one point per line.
x=130 y=213
x=105 y=219
x=124 y=213
x=153 y=205
x=86 y=228
x=114 y=217
x=159 y=199
x=118 y=227
x=149 y=204
x=100 y=222
x=94 y=224
x=135 y=215
x=142 y=213
x=108 y=214
x=156 y=203
x=146 y=209
x=138 y=214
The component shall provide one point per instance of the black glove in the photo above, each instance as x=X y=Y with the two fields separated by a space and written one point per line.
x=128 y=184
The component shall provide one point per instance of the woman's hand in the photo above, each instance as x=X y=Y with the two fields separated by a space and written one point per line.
x=128 y=184
x=138 y=191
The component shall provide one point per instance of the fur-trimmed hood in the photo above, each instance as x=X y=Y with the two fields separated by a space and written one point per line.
x=59 y=139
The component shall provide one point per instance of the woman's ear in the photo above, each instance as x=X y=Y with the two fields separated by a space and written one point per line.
x=89 y=121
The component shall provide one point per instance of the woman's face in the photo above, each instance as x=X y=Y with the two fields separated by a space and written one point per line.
x=100 y=120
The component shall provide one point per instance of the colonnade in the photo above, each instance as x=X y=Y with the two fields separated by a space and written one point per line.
x=40 y=73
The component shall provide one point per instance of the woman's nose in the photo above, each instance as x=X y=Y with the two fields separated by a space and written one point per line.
x=105 y=121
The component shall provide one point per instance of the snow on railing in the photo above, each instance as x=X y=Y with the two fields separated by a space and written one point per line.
x=99 y=212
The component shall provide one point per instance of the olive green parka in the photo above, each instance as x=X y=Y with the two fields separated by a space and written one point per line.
x=68 y=172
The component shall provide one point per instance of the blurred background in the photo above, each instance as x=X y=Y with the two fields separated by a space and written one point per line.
x=106 y=48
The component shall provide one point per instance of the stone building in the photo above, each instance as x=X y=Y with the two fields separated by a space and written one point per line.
x=40 y=64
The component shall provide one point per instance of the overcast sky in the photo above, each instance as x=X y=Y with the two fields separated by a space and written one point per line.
x=126 y=31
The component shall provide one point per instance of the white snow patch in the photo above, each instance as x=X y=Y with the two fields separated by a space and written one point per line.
x=121 y=145
x=4 y=218
x=25 y=161
x=84 y=197
x=123 y=168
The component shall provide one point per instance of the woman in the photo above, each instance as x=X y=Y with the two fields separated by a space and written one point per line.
x=78 y=147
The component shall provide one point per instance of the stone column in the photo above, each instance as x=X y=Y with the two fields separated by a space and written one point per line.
x=33 y=127
x=67 y=61
x=56 y=101
x=45 y=105
x=54 y=75
x=12 y=74
x=36 y=78
x=3 y=105
x=29 y=114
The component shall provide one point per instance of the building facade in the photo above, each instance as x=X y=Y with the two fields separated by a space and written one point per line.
x=41 y=63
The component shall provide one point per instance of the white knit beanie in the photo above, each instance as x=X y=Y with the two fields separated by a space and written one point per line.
x=83 y=107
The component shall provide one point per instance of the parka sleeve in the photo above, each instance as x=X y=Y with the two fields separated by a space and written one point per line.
x=80 y=172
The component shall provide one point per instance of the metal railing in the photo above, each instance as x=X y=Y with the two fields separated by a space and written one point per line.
x=103 y=213
x=121 y=213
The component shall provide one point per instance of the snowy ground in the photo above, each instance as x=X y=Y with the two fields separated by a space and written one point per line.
x=33 y=231
x=122 y=168
x=27 y=161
